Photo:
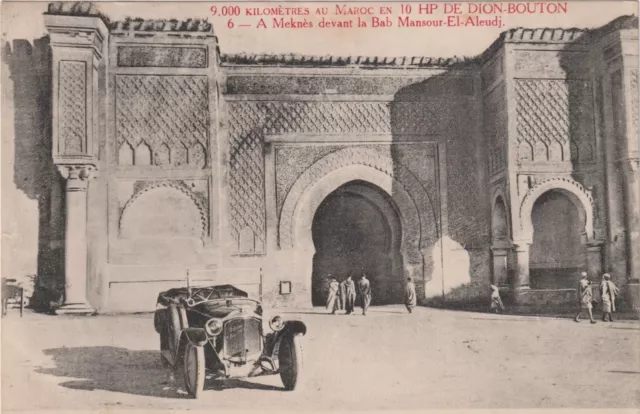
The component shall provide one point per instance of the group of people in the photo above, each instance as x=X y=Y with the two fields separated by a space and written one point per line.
x=608 y=294
x=342 y=295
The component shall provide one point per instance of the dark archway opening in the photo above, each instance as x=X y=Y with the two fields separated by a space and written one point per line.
x=356 y=229
x=557 y=255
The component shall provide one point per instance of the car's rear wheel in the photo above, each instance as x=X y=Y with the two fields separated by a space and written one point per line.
x=194 y=370
x=290 y=361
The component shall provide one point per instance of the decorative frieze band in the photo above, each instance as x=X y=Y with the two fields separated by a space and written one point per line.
x=162 y=57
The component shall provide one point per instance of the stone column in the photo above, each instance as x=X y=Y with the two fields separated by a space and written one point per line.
x=75 y=286
x=632 y=207
x=500 y=269
x=521 y=278
x=78 y=38
x=594 y=259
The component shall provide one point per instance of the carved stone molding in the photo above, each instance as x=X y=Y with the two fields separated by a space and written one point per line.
x=549 y=129
x=349 y=157
x=577 y=193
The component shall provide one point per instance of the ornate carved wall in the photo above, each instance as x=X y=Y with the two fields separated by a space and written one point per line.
x=162 y=120
x=251 y=121
x=554 y=120
x=72 y=106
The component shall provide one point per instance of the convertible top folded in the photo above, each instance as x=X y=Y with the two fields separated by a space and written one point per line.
x=211 y=292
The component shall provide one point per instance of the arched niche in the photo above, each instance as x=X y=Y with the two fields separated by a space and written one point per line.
x=162 y=211
x=578 y=195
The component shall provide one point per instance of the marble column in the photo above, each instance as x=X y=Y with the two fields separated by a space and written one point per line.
x=75 y=286
x=500 y=268
x=632 y=207
x=520 y=281
x=594 y=259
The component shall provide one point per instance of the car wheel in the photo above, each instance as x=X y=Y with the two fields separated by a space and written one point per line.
x=290 y=360
x=194 y=370
x=176 y=323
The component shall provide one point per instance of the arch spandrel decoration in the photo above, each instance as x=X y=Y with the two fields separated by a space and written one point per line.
x=580 y=196
x=177 y=186
x=409 y=194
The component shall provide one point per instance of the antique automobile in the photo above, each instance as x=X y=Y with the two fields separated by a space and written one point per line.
x=219 y=332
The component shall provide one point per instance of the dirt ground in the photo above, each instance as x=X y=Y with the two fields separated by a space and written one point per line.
x=432 y=359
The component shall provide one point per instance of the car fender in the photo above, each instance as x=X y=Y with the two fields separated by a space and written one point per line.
x=295 y=327
x=196 y=336
x=273 y=340
x=159 y=319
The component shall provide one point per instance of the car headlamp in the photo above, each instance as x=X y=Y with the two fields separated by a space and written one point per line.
x=213 y=326
x=276 y=323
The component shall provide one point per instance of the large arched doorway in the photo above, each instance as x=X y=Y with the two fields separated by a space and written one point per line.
x=557 y=255
x=357 y=229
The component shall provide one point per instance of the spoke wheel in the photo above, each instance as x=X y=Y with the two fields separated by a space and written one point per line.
x=194 y=370
x=290 y=359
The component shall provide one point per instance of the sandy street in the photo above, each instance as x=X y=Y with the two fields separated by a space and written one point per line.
x=432 y=359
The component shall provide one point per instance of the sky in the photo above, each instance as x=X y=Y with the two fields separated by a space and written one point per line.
x=24 y=20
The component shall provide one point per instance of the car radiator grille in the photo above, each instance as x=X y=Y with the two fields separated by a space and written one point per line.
x=241 y=338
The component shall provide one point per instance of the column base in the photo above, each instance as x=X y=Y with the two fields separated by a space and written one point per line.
x=75 y=309
x=633 y=295
x=517 y=293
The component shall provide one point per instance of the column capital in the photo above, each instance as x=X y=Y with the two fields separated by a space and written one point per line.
x=522 y=245
x=500 y=250
x=77 y=175
x=630 y=165
x=593 y=245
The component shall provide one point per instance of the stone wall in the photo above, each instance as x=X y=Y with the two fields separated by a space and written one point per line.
x=32 y=199
x=161 y=162
x=214 y=166
x=415 y=119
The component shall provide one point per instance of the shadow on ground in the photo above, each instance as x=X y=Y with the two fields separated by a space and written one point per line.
x=131 y=372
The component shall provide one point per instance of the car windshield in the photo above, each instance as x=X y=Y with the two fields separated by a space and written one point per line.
x=232 y=302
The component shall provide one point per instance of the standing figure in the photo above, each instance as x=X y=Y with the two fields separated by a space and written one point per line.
x=410 y=295
x=585 y=296
x=349 y=295
x=333 y=301
x=608 y=293
x=496 y=301
x=341 y=295
x=365 y=291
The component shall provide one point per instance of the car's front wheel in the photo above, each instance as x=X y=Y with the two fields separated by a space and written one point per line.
x=290 y=360
x=194 y=369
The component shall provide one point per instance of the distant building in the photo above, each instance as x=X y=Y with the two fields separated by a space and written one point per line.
x=522 y=163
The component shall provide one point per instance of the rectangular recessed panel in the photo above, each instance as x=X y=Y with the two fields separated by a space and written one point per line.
x=162 y=57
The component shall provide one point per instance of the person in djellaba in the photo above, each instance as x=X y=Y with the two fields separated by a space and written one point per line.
x=333 y=300
x=410 y=299
x=608 y=293
x=349 y=295
x=365 y=292
x=585 y=297
x=496 y=302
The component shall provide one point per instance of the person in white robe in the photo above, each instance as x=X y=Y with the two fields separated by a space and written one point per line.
x=608 y=294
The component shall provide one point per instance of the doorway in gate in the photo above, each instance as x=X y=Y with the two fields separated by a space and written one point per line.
x=356 y=229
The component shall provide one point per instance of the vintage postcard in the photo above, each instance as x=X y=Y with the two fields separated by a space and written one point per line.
x=320 y=206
